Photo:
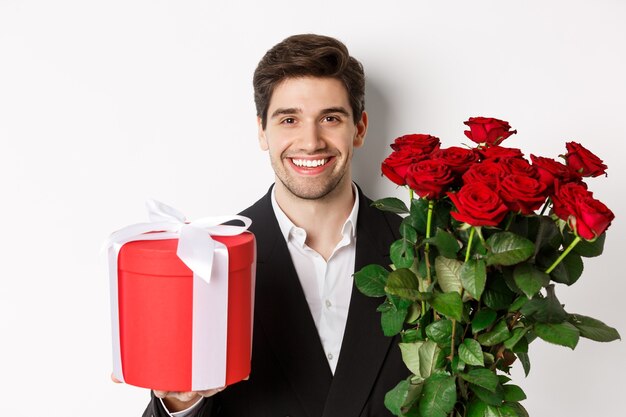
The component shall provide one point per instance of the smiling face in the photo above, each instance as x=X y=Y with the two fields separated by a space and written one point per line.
x=310 y=136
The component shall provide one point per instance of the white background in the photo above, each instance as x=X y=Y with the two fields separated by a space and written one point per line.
x=105 y=104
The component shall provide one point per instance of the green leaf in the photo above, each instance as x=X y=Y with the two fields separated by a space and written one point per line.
x=593 y=329
x=498 y=334
x=473 y=276
x=564 y=334
x=529 y=279
x=403 y=283
x=395 y=398
x=505 y=410
x=513 y=393
x=428 y=353
x=516 y=336
x=371 y=280
x=545 y=310
x=392 y=321
x=446 y=243
x=508 y=249
x=497 y=295
x=419 y=215
x=491 y=398
x=440 y=331
x=482 y=377
x=411 y=356
x=483 y=319
x=392 y=204
x=448 y=274
x=476 y=408
x=438 y=396
x=569 y=270
x=525 y=360
x=518 y=303
x=408 y=232
x=449 y=304
x=548 y=236
x=410 y=336
x=402 y=253
x=519 y=410
x=471 y=352
x=586 y=248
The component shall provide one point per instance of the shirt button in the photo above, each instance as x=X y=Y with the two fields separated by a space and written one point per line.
x=328 y=304
x=330 y=356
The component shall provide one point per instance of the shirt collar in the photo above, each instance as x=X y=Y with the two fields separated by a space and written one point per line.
x=292 y=232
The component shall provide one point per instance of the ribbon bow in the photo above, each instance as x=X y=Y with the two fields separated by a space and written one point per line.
x=195 y=244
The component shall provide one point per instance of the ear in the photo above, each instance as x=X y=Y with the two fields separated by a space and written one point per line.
x=361 y=130
x=261 y=133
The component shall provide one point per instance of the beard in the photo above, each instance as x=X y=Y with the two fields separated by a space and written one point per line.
x=314 y=188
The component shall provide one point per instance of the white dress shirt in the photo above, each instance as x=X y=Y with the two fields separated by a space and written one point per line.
x=327 y=285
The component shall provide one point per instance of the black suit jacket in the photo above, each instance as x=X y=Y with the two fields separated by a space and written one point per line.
x=290 y=374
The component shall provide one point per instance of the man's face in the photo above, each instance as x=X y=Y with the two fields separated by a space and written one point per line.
x=310 y=135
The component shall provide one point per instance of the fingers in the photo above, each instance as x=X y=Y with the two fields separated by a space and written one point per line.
x=210 y=392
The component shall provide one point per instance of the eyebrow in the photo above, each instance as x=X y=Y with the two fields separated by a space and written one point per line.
x=296 y=110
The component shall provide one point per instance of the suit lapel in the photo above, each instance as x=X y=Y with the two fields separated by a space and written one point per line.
x=280 y=299
x=364 y=346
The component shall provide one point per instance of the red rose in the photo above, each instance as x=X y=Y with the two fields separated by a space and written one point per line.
x=488 y=172
x=429 y=178
x=397 y=164
x=423 y=144
x=488 y=130
x=583 y=161
x=522 y=194
x=458 y=159
x=585 y=215
x=497 y=153
x=519 y=166
x=478 y=205
x=550 y=170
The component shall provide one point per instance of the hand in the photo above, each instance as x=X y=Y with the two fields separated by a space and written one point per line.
x=178 y=401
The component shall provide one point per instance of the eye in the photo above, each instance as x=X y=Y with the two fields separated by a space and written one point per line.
x=288 y=121
x=331 y=119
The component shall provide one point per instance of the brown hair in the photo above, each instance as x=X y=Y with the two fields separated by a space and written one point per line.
x=308 y=55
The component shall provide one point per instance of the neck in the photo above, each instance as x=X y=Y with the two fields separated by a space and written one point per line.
x=322 y=218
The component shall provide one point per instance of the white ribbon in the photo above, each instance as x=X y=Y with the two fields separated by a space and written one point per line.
x=208 y=259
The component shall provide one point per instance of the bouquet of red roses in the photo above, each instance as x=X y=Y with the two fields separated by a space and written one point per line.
x=472 y=282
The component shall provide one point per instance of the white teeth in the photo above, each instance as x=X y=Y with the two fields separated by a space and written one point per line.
x=309 y=163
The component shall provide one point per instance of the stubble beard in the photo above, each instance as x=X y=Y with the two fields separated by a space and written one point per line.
x=316 y=189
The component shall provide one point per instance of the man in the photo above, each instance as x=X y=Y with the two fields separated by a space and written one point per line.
x=318 y=348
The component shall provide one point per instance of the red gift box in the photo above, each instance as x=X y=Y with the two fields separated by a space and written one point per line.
x=173 y=329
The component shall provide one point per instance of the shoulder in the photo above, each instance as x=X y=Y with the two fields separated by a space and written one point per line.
x=383 y=226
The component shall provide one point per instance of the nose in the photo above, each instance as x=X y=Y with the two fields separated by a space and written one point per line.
x=310 y=138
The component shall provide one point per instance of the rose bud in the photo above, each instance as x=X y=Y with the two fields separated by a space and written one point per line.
x=397 y=164
x=429 y=178
x=583 y=161
x=478 y=205
x=424 y=144
x=522 y=194
x=487 y=130
x=586 y=216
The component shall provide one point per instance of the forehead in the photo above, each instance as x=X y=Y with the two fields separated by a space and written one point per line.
x=309 y=94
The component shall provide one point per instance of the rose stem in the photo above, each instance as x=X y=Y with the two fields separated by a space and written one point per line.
x=429 y=219
x=411 y=197
x=469 y=244
x=564 y=254
x=509 y=221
